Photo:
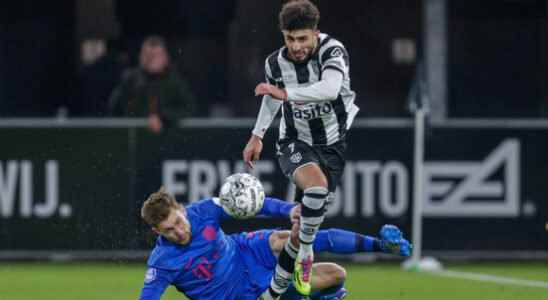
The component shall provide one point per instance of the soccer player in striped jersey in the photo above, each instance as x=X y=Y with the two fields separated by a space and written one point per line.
x=308 y=78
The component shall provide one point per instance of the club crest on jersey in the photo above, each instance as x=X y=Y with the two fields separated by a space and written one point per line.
x=337 y=52
x=313 y=112
x=296 y=158
x=150 y=275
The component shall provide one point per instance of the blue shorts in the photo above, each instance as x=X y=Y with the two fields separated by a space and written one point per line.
x=259 y=260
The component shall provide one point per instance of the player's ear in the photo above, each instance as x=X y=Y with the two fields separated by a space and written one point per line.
x=155 y=230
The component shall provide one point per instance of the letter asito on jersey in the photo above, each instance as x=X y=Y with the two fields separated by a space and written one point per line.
x=315 y=123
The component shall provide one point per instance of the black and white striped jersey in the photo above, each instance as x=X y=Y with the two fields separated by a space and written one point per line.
x=318 y=122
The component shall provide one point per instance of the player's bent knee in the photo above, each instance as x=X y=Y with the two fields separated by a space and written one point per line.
x=317 y=181
x=339 y=274
x=328 y=275
x=321 y=182
x=310 y=175
x=335 y=273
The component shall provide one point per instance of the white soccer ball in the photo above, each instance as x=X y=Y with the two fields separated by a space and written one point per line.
x=242 y=195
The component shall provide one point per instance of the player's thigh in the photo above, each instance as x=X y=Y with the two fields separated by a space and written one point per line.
x=333 y=163
x=310 y=175
x=301 y=164
x=327 y=275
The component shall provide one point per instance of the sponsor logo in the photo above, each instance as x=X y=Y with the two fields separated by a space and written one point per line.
x=196 y=179
x=19 y=195
x=337 y=52
x=466 y=189
x=488 y=186
x=312 y=112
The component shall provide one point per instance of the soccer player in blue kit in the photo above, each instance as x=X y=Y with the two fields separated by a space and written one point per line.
x=193 y=253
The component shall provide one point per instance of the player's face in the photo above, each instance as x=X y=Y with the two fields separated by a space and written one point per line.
x=301 y=43
x=175 y=228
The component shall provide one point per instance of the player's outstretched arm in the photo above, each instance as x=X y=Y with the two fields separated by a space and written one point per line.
x=267 y=113
x=326 y=89
x=252 y=150
x=156 y=282
x=269 y=109
x=274 y=207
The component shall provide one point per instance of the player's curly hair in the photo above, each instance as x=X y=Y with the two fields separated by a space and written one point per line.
x=299 y=14
x=158 y=206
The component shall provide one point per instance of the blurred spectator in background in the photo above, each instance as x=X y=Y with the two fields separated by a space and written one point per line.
x=100 y=71
x=154 y=89
x=207 y=24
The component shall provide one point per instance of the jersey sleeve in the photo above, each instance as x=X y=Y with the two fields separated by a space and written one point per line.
x=209 y=208
x=268 y=72
x=335 y=57
x=156 y=282
x=326 y=89
x=273 y=207
x=269 y=107
x=267 y=113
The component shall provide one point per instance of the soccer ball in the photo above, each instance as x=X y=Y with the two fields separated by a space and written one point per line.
x=242 y=195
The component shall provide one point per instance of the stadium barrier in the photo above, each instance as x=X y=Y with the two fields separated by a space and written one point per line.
x=73 y=188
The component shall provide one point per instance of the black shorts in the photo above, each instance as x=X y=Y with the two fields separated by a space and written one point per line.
x=294 y=153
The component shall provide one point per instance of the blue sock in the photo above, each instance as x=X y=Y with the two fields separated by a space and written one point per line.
x=291 y=294
x=344 y=242
x=326 y=293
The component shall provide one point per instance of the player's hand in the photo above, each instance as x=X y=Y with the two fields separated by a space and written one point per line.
x=155 y=123
x=252 y=150
x=269 y=89
x=392 y=241
x=295 y=214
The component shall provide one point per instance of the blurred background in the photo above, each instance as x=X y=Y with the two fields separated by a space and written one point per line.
x=103 y=101
x=69 y=55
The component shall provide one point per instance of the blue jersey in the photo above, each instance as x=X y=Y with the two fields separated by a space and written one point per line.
x=211 y=265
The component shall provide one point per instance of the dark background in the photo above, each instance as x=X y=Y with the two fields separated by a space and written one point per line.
x=496 y=51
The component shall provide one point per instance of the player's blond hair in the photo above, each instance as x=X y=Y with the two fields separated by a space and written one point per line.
x=158 y=206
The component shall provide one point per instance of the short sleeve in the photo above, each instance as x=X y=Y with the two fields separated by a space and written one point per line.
x=335 y=57
x=268 y=73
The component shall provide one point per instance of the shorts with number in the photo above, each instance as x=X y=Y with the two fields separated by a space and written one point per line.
x=293 y=154
x=260 y=262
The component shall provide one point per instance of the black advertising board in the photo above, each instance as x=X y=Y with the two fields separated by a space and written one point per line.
x=81 y=188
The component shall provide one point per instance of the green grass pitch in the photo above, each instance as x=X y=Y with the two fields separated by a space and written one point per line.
x=87 y=281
